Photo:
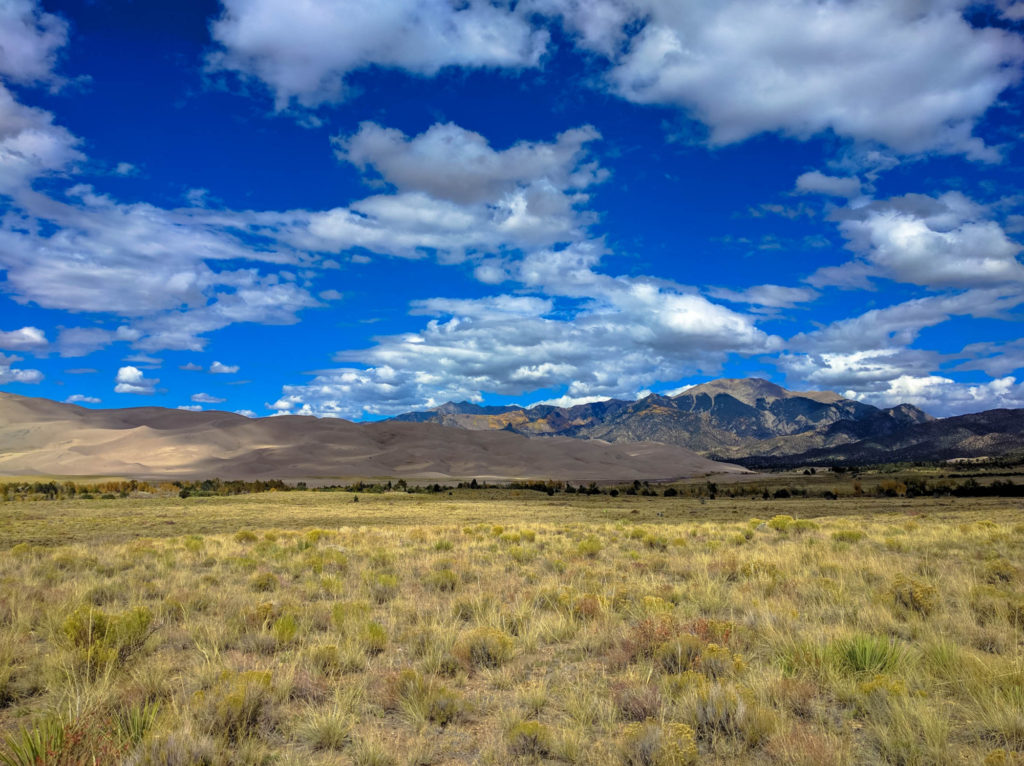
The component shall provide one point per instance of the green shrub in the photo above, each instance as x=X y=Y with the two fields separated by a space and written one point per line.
x=424 y=698
x=999 y=571
x=717 y=710
x=915 y=595
x=264 y=582
x=680 y=654
x=383 y=586
x=530 y=738
x=373 y=638
x=104 y=641
x=847 y=536
x=285 y=629
x=443 y=580
x=238 y=706
x=485 y=647
x=654 y=744
x=590 y=546
x=781 y=523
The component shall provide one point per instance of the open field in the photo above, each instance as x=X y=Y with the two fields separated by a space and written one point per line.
x=503 y=626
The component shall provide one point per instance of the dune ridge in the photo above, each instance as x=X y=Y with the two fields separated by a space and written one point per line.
x=40 y=436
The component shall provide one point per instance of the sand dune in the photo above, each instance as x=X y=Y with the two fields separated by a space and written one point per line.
x=39 y=436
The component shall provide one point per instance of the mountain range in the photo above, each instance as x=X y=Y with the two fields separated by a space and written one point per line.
x=757 y=422
x=39 y=436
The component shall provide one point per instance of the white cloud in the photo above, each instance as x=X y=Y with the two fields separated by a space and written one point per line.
x=454 y=195
x=190 y=366
x=82 y=399
x=943 y=396
x=452 y=163
x=26 y=338
x=218 y=368
x=190 y=407
x=81 y=341
x=898 y=325
x=30 y=144
x=995 y=359
x=247 y=413
x=937 y=242
x=816 y=182
x=130 y=380
x=303 y=52
x=770 y=296
x=151 y=362
x=572 y=401
x=125 y=169
x=637 y=331
x=867 y=370
x=29 y=41
x=9 y=374
x=206 y=399
x=910 y=75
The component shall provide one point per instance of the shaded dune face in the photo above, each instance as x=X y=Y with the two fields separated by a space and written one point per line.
x=38 y=436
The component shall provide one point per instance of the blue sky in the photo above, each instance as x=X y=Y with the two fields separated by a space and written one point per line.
x=358 y=209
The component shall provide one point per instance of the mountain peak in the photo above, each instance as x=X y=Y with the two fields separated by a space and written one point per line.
x=749 y=390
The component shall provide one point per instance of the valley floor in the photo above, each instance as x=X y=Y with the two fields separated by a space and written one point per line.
x=511 y=627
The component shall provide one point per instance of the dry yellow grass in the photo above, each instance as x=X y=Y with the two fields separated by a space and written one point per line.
x=506 y=627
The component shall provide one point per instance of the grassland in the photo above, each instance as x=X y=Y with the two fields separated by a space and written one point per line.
x=511 y=627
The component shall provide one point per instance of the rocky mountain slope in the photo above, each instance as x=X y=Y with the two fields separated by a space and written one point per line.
x=984 y=434
x=725 y=418
x=39 y=436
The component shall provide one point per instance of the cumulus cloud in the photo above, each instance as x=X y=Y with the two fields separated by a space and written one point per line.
x=82 y=341
x=937 y=242
x=190 y=407
x=915 y=77
x=26 y=338
x=190 y=366
x=130 y=380
x=303 y=52
x=29 y=41
x=943 y=396
x=510 y=345
x=452 y=163
x=996 y=359
x=866 y=371
x=453 y=194
x=769 y=296
x=202 y=398
x=31 y=145
x=218 y=368
x=816 y=182
x=9 y=374
x=897 y=326
x=943 y=242
x=82 y=399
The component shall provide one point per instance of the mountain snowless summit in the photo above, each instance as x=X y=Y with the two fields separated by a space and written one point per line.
x=39 y=436
x=725 y=419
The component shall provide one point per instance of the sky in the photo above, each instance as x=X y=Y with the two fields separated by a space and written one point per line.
x=351 y=209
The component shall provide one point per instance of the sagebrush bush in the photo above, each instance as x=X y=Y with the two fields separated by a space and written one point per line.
x=915 y=595
x=485 y=647
x=237 y=706
x=654 y=744
x=530 y=738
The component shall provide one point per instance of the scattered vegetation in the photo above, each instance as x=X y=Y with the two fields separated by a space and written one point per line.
x=511 y=626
